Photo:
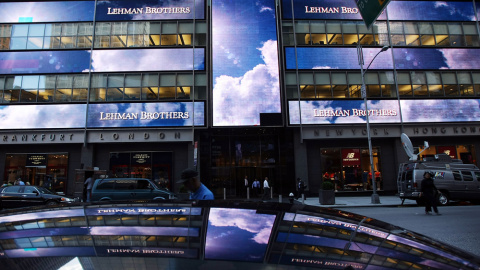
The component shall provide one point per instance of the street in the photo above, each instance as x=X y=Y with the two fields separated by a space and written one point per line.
x=458 y=226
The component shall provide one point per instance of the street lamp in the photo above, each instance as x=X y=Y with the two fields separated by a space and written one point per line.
x=375 y=197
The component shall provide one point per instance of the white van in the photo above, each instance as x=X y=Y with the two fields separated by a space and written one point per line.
x=455 y=180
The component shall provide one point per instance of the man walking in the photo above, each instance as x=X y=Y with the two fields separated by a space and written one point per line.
x=266 y=189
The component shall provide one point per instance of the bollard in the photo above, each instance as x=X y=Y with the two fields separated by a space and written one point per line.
x=271 y=193
x=280 y=198
x=224 y=193
x=303 y=198
x=248 y=193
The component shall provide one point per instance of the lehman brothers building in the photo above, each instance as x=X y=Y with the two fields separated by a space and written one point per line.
x=257 y=88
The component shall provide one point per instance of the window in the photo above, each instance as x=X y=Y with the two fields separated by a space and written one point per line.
x=467 y=176
x=105 y=184
x=12 y=189
x=457 y=176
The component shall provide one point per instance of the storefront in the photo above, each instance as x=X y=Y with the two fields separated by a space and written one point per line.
x=46 y=169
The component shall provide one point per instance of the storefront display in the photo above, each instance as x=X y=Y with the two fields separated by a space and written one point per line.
x=40 y=169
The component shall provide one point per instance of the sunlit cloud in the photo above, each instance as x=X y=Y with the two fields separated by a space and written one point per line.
x=240 y=100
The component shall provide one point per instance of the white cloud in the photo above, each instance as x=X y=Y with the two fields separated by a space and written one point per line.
x=240 y=100
x=460 y=58
x=324 y=67
x=42 y=116
x=248 y=220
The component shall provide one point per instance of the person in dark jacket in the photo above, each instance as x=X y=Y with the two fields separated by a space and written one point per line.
x=429 y=193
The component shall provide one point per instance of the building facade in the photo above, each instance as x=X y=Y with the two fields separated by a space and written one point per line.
x=235 y=88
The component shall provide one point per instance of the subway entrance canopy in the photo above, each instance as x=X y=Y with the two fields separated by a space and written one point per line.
x=208 y=235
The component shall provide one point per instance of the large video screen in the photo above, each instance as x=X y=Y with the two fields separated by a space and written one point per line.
x=343 y=111
x=43 y=116
x=54 y=11
x=167 y=114
x=245 y=62
x=147 y=60
x=237 y=234
x=124 y=10
x=44 y=62
x=384 y=111
x=120 y=60
x=405 y=58
x=397 y=10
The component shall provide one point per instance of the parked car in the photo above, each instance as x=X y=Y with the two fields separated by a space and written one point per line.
x=455 y=180
x=22 y=196
x=121 y=189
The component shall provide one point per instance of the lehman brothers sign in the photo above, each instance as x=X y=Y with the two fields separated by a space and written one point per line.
x=149 y=10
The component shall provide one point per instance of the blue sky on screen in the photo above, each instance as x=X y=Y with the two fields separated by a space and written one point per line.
x=237 y=234
x=59 y=11
x=245 y=62
x=43 y=116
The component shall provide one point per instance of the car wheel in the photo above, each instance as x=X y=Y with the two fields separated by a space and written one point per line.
x=443 y=199
x=51 y=203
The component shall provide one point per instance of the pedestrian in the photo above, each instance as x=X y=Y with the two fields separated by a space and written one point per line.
x=429 y=193
x=301 y=187
x=189 y=179
x=88 y=184
x=266 y=189
x=20 y=182
x=246 y=184
x=256 y=187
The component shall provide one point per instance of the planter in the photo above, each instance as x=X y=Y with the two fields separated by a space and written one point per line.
x=326 y=197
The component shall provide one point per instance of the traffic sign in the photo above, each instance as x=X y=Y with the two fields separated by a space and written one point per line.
x=371 y=9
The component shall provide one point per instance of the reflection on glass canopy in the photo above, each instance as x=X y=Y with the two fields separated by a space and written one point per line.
x=208 y=235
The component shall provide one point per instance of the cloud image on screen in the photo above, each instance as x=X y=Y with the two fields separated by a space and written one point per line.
x=148 y=60
x=245 y=62
x=43 y=116
x=440 y=110
x=237 y=234
x=55 y=11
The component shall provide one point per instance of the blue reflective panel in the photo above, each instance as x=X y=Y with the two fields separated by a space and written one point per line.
x=30 y=82
x=36 y=30
x=51 y=252
x=244 y=61
x=59 y=11
x=19 y=30
x=124 y=10
x=18 y=43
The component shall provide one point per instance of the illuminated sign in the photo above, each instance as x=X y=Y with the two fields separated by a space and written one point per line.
x=121 y=10
x=42 y=215
x=384 y=111
x=343 y=111
x=245 y=62
x=51 y=252
x=351 y=157
x=146 y=114
x=144 y=230
x=397 y=10
x=36 y=160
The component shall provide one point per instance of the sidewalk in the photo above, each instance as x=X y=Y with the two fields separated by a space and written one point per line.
x=363 y=201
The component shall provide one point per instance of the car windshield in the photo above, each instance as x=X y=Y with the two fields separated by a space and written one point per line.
x=44 y=190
